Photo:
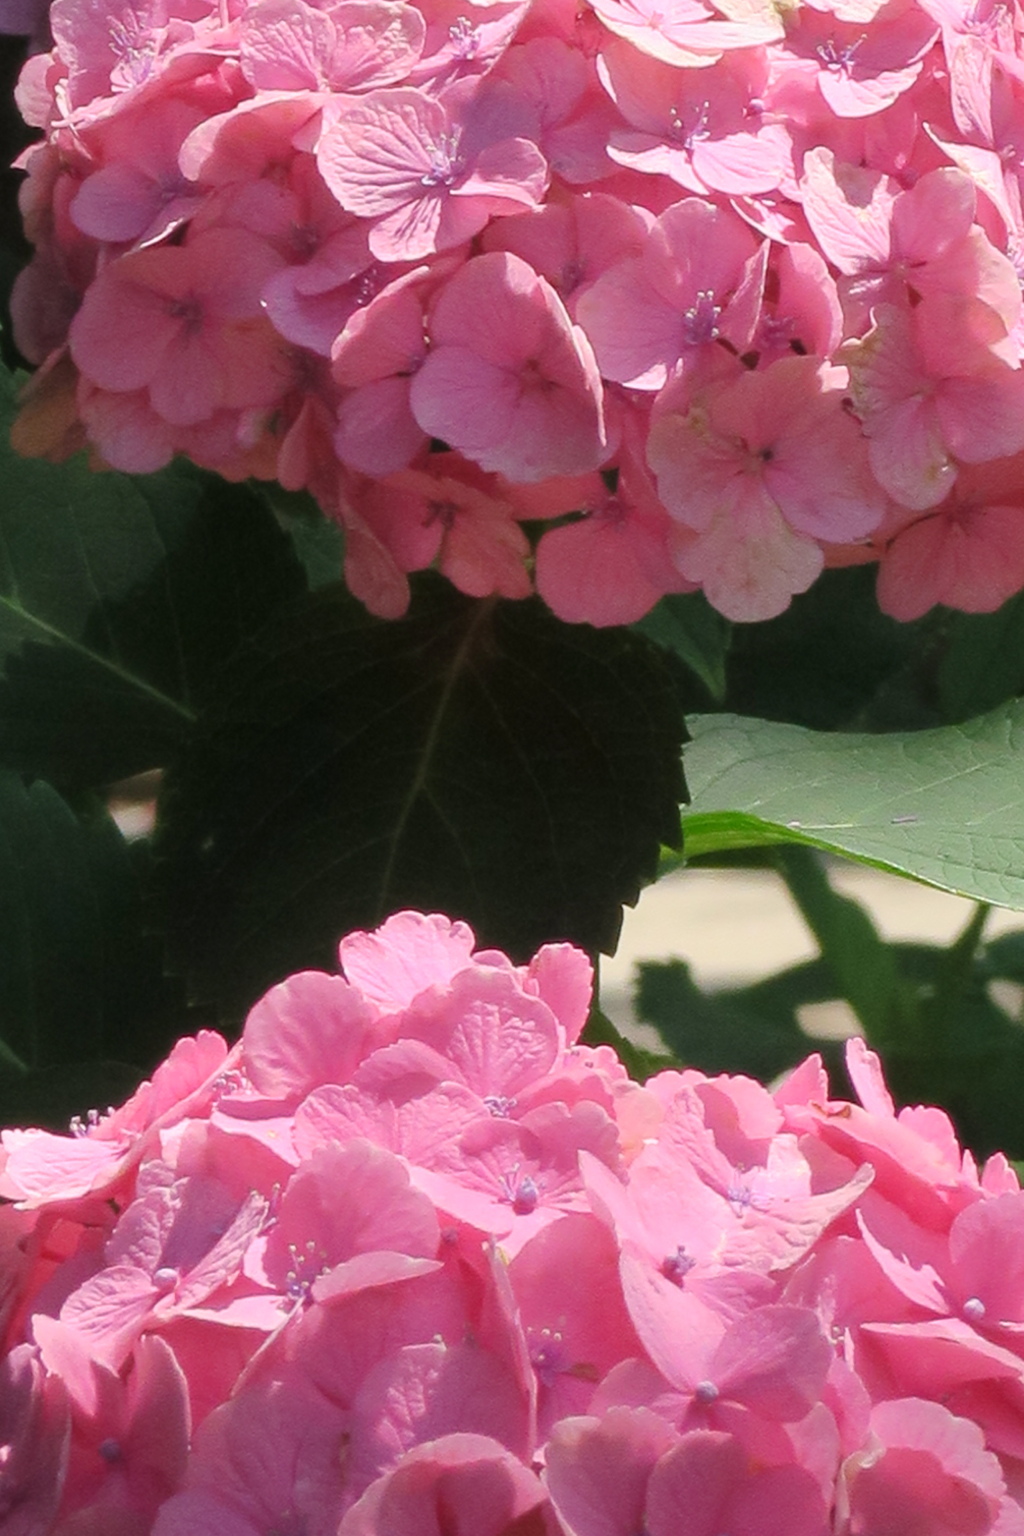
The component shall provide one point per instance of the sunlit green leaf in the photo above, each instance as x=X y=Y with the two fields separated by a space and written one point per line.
x=945 y=806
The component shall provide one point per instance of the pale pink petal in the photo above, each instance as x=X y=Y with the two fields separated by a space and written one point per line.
x=564 y=978
x=429 y=1390
x=754 y=576
x=308 y=1030
x=972 y=559
x=986 y=1251
x=934 y=1473
x=356 y=45
x=510 y=381
x=601 y=570
x=377 y=433
x=343 y=1201
x=486 y=1490
x=982 y=418
x=597 y=1470
x=908 y=454
x=376 y=158
x=709 y=1481
x=774 y=1360
x=35 y=1432
x=850 y=210
x=496 y=1037
x=403 y=957
x=109 y=1311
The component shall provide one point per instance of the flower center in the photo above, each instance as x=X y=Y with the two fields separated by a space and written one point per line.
x=307 y=1265
x=686 y=135
x=464 y=38
x=700 y=321
x=838 y=59
x=189 y=311
x=677 y=1265
x=497 y=1104
x=446 y=164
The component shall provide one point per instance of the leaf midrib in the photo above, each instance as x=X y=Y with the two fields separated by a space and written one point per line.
x=480 y=615
x=52 y=634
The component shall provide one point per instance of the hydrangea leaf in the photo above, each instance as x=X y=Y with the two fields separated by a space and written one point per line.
x=319 y=541
x=80 y=980
x=638 y=1062
x=686 y=624
x=714 y=1032
x=477 y=758
x=983 y=661
x=863 y=963
x=119 y=597
x=832 y=661
x=974 y=1071
x=944 y=806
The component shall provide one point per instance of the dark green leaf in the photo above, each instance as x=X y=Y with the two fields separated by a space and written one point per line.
x=640 y=1064
x=974 y=1071
x=1003 y=958
x=478 y=758
x=715 y=1032
x=319 y=542
x=15 y=134
x=983 y=660
x=781 y=997
x=53 y=1096
x=79 y=979
x=120 y=598
x=945 y=806
x=862 y=963
x=973 y=1067
x=686 y=624
x=832 y=660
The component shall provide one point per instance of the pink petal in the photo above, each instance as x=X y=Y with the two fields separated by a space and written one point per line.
x=597 y=1470
x=405 y=956
x=311 y=1029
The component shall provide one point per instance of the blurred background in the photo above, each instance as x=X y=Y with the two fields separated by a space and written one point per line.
x=734 y=927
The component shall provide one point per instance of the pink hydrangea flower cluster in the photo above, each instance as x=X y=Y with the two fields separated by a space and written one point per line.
x=736 y=283
x=411 y=1260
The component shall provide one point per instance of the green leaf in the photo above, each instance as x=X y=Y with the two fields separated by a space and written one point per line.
x=781 y=997
x=478 y=758
x=833 y=660
x=318 y=540
x=983 y=660
x=640 y=1064
x=974 y=1070
x=15 y=135
x=863 y=964
x=715 y=1032
x=944 y=806
x=687 y=625
x=80 y=981
x=120 y=598
x=1003 y=958
x=973 y=1067
x=54 y=1095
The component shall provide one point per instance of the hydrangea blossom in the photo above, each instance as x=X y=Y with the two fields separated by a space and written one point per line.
x=561 y=258
x=410 y=1257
